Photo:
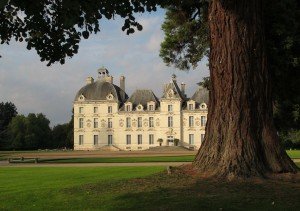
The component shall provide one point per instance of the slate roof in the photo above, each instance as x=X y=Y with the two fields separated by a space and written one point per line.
x=143 y=96
x=100 y=89
x=201 y=96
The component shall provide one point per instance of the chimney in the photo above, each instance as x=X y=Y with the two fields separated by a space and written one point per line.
x=89 y=80
x=109 y=79
x=122 y=83
x=183 y=88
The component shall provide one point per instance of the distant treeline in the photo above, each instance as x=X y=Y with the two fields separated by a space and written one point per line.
x=19 y=132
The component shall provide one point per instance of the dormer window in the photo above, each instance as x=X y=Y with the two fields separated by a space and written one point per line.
x=139 y=107
x=151 y=106
x=128 y=107
x=81 y=98
x=110 y=97
x=203 y=106
x=191 y=106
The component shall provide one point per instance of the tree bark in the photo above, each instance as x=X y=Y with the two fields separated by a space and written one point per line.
x=240 y=140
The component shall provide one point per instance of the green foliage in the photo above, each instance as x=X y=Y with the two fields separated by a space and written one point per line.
x=31 y=132
x=205 y=83
x=290 y=139
x=7 y=111
x=54 y=28
x=186 y=34
x=283 y=43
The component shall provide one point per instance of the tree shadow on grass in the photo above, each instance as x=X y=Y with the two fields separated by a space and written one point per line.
x=164 y=192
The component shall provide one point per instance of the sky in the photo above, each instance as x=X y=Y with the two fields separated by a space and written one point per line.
x=35 y=88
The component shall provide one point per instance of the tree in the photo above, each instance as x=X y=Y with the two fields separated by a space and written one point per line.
x=241 y=140
x=31 y=132
x=7 y=111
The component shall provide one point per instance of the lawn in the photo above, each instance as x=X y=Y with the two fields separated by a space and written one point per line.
x=293 y=153
x=136 y=188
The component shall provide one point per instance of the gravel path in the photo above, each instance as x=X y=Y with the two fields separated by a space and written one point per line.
x=6 y=164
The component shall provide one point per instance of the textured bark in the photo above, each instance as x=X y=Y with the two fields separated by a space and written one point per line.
x=240 y=139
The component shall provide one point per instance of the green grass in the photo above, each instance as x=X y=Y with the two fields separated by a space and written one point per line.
x=135 y=188
x=293 y=153
x=47 y=188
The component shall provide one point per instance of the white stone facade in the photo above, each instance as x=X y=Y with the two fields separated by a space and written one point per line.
x=104 y=116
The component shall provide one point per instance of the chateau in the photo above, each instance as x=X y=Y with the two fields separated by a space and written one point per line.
x=104 y=116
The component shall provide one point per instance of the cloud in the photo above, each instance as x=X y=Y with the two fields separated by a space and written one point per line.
x=34 y=87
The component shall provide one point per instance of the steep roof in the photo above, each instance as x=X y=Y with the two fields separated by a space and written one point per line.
x=99 y=91
x=143 y=96
x=201 y=95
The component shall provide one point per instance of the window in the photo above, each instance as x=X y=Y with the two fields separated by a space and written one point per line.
x=109 y=123
x=95 y=122
x=191 y=139
x=128 y=139
x=151 y=139
x=80 y=110
x=110 y=140
x=80 y=122
x=109 y=109
x=170 y=121
x=191 y=121
x=128 y=122
x=95 y=110
x=170 y=108
x=140 y=141
x=80 y=139
x=151 y=107
x=202 y=138
x=191 y=106
x=127 y=108
x=203 y=120
x=95 y=139
x=151 y=122
x=139 y=121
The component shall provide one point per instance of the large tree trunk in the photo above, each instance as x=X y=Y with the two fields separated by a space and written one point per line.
x=240 y=139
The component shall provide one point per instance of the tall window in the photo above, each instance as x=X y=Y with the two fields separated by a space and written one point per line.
x=80 y=110
x=191 y=139
x=109 y=109
x=202 y=138
x=95 y=110
x=127 y=108
x=170 y=108
x=109 y=123
x=80 y=139
x=191 y=121
x=191 y=106
x=96 y=137
x=151 y=139
x=139 y=121
x=80 y=122
x=151 y=107
x=170 y=121
x=151 y=122
x=203 y=120
x=140 y=141
x=128 y=139
x=128 y=122
x=110 y=140
x=95 y=122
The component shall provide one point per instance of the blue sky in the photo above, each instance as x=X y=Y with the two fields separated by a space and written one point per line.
x=35 y=88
